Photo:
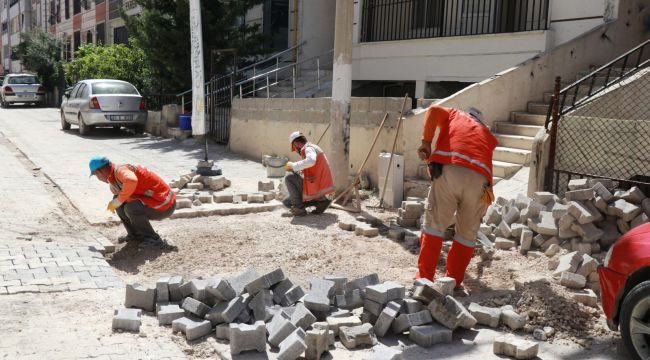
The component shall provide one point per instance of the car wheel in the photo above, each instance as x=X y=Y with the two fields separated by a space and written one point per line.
x=64 y=124
x=138 y=129
x=5 y=104
x=635 y=321
x=83 y=128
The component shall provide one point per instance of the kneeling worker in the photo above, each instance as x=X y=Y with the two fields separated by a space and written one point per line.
x=310 y=188
x=460 y=166
x=140 y=196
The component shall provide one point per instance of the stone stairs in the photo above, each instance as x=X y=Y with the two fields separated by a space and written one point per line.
x=516 y=135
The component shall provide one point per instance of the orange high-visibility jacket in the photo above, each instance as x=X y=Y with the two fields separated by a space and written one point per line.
x=139 y=183
x=317 y=181
x=462 y=140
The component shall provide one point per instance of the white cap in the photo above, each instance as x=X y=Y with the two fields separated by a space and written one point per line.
x=294 y=135
x=476 y=113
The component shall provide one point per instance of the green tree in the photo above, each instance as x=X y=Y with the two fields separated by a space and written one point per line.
x=40 y=52
x=162 y=29
x=118 y=61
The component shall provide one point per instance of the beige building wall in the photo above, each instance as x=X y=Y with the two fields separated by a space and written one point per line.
x=262 y=127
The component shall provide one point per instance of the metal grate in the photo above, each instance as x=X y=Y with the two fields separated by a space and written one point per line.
x=604 y=127
x=387 y=20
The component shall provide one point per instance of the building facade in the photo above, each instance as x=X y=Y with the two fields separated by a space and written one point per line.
x=77 y=22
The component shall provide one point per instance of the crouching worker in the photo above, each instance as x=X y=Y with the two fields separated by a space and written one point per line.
x=314 y=184
x=139 y=196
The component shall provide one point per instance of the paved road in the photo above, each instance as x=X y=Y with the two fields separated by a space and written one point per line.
x=64 y=155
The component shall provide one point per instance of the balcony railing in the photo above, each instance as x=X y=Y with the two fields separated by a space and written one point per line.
x=388 y=20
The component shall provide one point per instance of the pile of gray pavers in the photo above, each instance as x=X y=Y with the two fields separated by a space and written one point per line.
x=251 y=311
x=195 y=190
x=581 y=226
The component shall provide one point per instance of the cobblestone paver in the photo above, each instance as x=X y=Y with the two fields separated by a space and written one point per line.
x=51 y=267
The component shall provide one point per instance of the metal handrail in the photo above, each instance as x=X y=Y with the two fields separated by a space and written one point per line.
x=592 y=78
x=317 y=57
x=275 y=56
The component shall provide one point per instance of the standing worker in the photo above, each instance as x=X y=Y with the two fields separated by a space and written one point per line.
x=312 y=187
x=139 y=196
x=460 y=167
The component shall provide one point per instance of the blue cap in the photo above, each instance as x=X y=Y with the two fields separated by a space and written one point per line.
x=97 y=162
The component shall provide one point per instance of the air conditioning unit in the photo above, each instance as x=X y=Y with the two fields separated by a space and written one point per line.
x=395 y=184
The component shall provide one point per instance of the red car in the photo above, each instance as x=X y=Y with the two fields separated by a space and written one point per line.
x=625 y=289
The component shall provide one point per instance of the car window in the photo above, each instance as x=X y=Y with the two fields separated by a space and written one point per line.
x=73 y=93
x=84 y=92
x=23 y=80
x=102 y=88
x=80 y=91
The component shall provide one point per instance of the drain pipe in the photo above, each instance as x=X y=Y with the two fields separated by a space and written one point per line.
x=294 y=40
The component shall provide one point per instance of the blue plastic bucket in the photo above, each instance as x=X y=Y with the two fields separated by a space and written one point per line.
x=185 y=122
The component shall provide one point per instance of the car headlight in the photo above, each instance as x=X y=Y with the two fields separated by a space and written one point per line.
x=608 y=256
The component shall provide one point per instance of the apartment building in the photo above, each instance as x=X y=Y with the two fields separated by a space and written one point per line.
x=77 y=22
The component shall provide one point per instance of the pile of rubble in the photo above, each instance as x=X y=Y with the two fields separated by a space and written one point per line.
x=195 y=190
x=411 y=212
x=252 y=310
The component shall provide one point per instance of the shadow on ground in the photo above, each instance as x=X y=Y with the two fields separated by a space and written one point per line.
x=130 y=257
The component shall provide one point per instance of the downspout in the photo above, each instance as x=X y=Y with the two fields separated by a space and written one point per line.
x=294 y=40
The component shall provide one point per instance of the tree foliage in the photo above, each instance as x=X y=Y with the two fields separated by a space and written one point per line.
x=162 y=29
x=40 y=52
x=117 y=61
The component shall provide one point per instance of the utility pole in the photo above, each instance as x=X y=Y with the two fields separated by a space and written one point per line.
x=198 y=87
x=341 y=93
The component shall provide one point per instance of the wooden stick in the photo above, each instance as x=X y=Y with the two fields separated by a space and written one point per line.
x=356 y=178
x=324 y=132
x=392 y=152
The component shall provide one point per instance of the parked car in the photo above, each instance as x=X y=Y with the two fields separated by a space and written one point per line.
x=22 y=88
x=625 y=289
x=92 y=103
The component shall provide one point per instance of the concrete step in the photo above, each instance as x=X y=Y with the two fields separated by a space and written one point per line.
x=512 y=155
x=538 y=108
x=504 y=169
x=496 y=179
x=525 y=118
x=508 y=128
x=515 y=141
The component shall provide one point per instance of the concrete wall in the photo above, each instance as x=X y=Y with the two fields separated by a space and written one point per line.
x=315 y=26
x=570 y=18
x=512 y=89
x=262 y=126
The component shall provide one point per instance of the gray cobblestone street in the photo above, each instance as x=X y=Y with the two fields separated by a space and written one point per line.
x=51 y=267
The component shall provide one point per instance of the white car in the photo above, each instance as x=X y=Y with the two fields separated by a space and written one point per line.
x=22 y=88
x=101 y=102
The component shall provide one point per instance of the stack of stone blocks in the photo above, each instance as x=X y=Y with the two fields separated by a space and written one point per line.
x=251 y=311
x=586 y=222
x=193 y=190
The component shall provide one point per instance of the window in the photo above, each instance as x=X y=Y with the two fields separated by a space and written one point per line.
x=86 y=4
x=76 y=6
x=67 y=48
x=114 y=88
x=84 y=91
x=67 y=9
x=120 y=35
x=89 y=37
x=23 y=80
x=99 y=1
x=426 y=13
x=4 y=27
x=77 y=40
x=79 y=91
x=74 y=90
x=100 y=36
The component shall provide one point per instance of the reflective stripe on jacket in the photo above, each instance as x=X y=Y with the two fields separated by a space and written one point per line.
x=317 y=179
x=150 y=189
x=466 y=142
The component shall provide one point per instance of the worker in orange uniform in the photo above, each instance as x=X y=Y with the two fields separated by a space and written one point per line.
x=139 y=196
x=460 y=165
x=314 y=184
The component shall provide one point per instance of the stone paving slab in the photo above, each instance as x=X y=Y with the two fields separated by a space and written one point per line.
x=226 y=209
x=51 y=267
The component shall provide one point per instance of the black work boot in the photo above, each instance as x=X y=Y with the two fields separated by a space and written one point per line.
x=127 y=238
x=321 y=206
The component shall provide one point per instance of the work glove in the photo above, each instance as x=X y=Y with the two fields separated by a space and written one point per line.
x=113 y=205
x=288 y=166
x=488 y=195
